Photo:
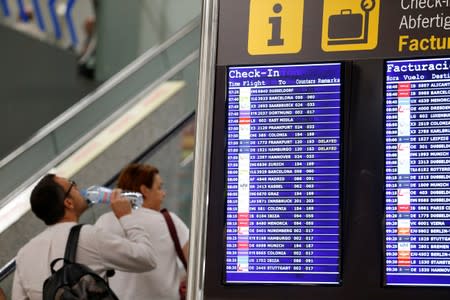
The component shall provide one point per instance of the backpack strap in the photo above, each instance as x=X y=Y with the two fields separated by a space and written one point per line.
x=72 y=243
x=174 y=235
x=71 y=250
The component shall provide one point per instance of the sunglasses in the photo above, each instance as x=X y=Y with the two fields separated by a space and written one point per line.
x=72 y=184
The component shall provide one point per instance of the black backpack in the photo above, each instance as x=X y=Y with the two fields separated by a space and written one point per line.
x=75 y=281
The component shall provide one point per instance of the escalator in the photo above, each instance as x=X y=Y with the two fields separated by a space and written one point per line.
x=176 y=171
x=151 y=102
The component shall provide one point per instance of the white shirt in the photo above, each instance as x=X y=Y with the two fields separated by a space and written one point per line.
x=161 y=283
x=98 y=249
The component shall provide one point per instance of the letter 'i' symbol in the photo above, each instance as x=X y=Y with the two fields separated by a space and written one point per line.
x=276 y=39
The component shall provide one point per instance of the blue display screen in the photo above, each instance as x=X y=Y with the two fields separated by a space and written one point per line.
x=417 y=172
x=283 y=174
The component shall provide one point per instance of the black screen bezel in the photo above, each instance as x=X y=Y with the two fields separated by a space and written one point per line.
x=343 y=109
x=384 y=263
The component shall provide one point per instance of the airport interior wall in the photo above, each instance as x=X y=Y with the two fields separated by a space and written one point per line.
x=38 y=82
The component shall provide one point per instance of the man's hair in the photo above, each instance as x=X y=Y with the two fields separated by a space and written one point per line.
x=47 y=200
x=134 y=175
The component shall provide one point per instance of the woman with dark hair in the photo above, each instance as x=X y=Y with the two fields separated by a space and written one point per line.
x=163 y=282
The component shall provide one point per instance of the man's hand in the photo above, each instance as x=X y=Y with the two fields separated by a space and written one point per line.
x=121 y=206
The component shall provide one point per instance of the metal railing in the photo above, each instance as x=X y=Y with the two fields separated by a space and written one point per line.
x=202 y=150
x=7 y=269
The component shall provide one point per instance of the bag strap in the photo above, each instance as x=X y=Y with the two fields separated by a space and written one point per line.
x=71 y=249
x=72 y=243
x=174 y=235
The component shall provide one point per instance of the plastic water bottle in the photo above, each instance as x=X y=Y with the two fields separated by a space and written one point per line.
x=99 y=194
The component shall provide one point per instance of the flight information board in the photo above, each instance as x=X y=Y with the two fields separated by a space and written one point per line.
x=417 y=172
x=283 y=174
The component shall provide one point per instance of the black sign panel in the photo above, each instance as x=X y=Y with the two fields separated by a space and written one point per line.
x=317 y=30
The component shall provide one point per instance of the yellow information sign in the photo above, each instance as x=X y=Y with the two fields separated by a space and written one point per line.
x=350 y=25
x=275 y=26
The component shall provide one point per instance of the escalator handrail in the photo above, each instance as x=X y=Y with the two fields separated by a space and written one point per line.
x=100 y=91
x=9 y=267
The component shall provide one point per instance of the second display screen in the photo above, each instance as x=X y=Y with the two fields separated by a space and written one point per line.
x=418 y=172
